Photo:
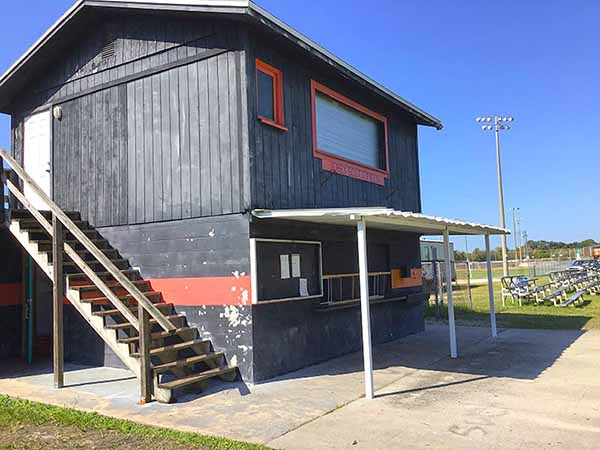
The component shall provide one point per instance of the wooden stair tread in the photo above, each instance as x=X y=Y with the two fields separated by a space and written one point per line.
x=181 y=382
x=118 y=326
x=173 y=347
x=71 y=241
x=153 y=296
x=83 y=251
x=134 y=309
x=17 y=214
x=109 y=284
x=94 y=263
x=157 y=335
x=84 y=277
x=40 y=229
x=185 y=362
x=33 y=221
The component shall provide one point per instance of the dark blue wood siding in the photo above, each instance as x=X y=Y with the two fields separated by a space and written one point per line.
x=167 y=145
x=284 y=172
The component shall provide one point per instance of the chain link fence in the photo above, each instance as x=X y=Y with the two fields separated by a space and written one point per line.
x=470 y=283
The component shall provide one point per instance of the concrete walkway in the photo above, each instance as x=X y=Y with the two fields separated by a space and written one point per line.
x=527 y=389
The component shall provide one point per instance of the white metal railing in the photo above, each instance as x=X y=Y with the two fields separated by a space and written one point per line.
x=346 y=287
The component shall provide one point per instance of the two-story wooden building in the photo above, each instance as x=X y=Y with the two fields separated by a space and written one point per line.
x=173 y=130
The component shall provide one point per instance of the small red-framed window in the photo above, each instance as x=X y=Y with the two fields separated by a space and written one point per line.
x=269 y=95
x=350 y=139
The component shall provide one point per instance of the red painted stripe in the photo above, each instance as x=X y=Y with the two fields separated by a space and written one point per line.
x=10 y=294
x=195 y=291
x=204 y=291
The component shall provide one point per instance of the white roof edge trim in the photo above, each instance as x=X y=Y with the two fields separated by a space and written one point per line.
x=233 y=4
x=384 y=215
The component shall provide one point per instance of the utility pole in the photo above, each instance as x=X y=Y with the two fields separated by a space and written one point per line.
x=519 y=235
x=469 y=294
x=497 y=127
x=516 y=233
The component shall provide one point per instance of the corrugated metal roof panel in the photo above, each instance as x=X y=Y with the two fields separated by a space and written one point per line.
x=384 y=218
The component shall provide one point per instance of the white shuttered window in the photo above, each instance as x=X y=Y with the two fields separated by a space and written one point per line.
x=348 y=133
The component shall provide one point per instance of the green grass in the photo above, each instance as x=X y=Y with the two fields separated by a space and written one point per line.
x=481 y=274
x=530 y=315
x=21 y=412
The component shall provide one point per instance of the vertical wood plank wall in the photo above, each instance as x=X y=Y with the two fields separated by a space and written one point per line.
x=186 y=142
x=284 y=172
x=163 y=147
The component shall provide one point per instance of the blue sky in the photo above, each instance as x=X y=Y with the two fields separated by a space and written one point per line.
x=536 y=60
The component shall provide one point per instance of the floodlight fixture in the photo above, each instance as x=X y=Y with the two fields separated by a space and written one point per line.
x=499 y=125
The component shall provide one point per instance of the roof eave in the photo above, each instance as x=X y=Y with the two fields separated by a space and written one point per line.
x=31 y=51
x=242 y=7
x=424 y=117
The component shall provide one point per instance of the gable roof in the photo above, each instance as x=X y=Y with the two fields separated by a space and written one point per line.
x=245 y=8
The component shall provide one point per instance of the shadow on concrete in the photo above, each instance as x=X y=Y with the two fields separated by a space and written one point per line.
x=17 y=368
x=435 y=386
x=516 y=353
x=98 y=382
x=14 y=368
x=214 y=386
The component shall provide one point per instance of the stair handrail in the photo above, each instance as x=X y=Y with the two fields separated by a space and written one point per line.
x=114 y=271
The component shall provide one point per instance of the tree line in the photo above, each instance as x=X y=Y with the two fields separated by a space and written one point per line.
x=536 y=249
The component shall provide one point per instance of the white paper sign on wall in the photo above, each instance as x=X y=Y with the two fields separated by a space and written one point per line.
x=296 y=273
x=285 y=266
x=303 y=287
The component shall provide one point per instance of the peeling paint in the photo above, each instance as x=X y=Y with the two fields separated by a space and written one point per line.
x=232 y=314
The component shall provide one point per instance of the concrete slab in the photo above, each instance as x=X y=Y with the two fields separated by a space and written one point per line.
x=531 y=389
x=529 y=386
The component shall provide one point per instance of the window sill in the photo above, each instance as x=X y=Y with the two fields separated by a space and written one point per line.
x=273 y=124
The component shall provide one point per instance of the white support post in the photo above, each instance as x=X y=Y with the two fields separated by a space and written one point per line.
x=451 y=322
x=364 y=306
x=488 y=257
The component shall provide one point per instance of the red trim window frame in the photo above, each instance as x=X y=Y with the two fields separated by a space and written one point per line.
x=278 y=105
x=339 y=164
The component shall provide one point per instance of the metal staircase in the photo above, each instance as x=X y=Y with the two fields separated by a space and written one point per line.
x=148 y=336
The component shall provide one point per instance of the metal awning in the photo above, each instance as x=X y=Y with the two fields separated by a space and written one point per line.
x=390 y=219
x=383 y=218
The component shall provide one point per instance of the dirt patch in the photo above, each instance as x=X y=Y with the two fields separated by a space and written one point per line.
x=54 y=437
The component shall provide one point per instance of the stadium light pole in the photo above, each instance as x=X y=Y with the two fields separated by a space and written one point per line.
x=499 y=124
